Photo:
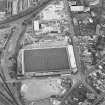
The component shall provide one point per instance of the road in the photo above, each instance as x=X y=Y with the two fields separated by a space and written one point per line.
x=81 y=75
x=26 y=14
x=9 y=51
x=76 y=78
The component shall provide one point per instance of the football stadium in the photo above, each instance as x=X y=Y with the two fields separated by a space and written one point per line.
x=44 y=60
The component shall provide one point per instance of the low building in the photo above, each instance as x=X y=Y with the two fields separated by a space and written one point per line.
x=46 y=27
x=3 y=5
x=15 y=7
x=25 y=4
x=2 y=16
x=20 y=5
x=94 y=2
x=12 y=7
x=72 y=2
x=3 y=8
x=77 y=8
x=36 y=25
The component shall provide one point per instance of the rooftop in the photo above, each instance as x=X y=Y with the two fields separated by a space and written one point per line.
x=2 y=5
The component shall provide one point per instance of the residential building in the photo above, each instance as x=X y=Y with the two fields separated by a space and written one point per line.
x=15 y=7
x=3 y=8
x=12 y=7
x=25 y=4
x=71 y=3
x=36 y=25
x=93 y=2
x=3 y=5
x=20 y=6
x=77 y=8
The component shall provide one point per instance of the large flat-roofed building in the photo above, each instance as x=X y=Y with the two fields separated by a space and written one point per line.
x=44 y=60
